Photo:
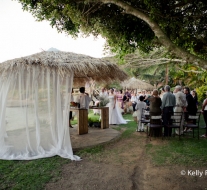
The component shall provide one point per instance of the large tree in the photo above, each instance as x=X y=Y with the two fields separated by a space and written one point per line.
x=180 y=26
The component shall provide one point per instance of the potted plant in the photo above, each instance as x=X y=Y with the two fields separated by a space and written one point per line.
x=103 y=101
x=97 y=124
x=94 y=122
x=90 y=122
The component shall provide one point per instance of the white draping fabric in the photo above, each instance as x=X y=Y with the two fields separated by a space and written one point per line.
x=34 y=113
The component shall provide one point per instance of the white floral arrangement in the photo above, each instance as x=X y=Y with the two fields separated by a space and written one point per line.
x=103 y=101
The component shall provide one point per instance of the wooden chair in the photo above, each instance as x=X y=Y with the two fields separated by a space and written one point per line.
x=193 y=121
x=145 y=117
x=175 y=121
x=155 y=123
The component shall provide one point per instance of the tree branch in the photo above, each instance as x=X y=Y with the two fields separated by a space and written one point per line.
x=162 y=37
x=164 y=40
x=189 y=71
x=139 y=63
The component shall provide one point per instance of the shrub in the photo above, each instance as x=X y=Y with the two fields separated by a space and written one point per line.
x=201 y=92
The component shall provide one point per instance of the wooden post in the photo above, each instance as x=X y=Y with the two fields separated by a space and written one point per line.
x=104 y=117
x=82 y=121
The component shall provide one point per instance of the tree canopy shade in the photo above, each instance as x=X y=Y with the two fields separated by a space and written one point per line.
x=180 y=26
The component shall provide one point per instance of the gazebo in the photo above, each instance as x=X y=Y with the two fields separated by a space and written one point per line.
x=35 y=96
x=134 y=83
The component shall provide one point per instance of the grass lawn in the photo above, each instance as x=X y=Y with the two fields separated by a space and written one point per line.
x=36 y=173
x=32 y=174
x=186 y=151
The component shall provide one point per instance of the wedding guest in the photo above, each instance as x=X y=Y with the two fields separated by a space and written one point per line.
x=119 y=97
x=146 y=100
x=162 y=92
x=71 y=113
x=143 y=93
x=181 y=104
x=195 y=97
x=125 y=100
x=103 y=93
x=204 y=112
x=134 y=100
x=128 y=102
x=155 y=103
x=191 y=107
x=138 y=93
x=115 y=91
x=168 y=103
x=139 y=107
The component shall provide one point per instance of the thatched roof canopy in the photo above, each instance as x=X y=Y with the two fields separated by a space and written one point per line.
x=134 y=83
x=84 y=67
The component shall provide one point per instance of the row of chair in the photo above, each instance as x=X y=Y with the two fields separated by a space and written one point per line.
x=175 y=121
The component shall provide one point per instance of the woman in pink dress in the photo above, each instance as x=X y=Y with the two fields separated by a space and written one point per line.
x=119 y=97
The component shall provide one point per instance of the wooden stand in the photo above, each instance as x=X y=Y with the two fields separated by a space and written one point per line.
x=104 y=117
x=82 y=120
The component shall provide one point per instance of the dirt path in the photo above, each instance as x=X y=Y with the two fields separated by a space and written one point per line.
x=125 y=165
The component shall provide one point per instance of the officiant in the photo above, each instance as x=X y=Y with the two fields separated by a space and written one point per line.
x=83 y=99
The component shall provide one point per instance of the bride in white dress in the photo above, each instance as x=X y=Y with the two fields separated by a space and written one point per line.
x=115 y=116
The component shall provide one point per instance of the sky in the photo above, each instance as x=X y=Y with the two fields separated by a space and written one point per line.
x=21 y=35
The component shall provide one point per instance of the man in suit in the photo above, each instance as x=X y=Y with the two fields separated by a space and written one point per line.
x=192 y=107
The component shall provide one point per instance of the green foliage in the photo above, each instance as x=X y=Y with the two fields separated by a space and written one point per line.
x=93 y=118
x=90 y=120
x=114 y=84
x=201 y=92
x=154 y=74
x=184 y=22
